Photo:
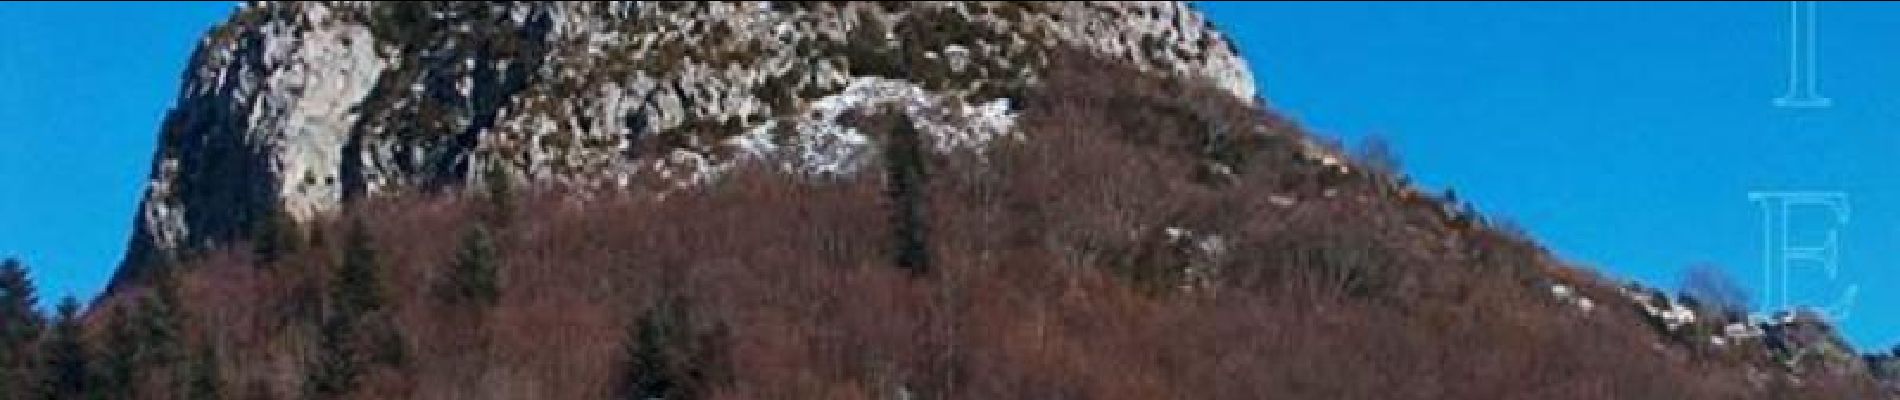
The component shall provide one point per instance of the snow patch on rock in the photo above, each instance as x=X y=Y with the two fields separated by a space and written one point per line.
x=1565 y=294
x=1204 y=253
x=819 y=141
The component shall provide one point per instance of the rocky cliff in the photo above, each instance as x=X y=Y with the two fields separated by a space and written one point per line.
x=1152 y=207
x=290 y=109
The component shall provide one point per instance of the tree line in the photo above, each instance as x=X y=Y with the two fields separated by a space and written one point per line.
x=139 y=350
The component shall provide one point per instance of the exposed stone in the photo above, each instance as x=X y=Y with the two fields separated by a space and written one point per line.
x=294 y=107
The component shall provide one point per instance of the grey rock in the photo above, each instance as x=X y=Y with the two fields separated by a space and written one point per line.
x=296 y=107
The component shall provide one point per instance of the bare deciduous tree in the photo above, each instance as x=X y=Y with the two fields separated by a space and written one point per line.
x=1377 y=154
x=1711 y=289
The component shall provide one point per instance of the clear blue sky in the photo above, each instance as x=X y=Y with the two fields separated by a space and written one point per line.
x=83 y=87
x=1625 y=136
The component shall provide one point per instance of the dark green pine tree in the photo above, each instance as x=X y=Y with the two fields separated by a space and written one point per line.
x=201 y=381
x=337 y=364
x=117 y=365
x=69 y=369
x=652 y=362
x=906 y=178
x=160 y=324
x=147 y=338
x=499 y=209
x=671 y=356
x=354 y=333
x=275 y=237
x=357 y=289
x=20 y=328
x=472 y=279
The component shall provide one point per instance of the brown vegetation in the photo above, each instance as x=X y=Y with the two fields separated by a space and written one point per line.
x=1050 y=277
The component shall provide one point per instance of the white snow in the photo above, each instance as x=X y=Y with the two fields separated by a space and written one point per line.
x=1676 y=316
x=1672 y=316
x=1280 y=200
x=1176 y=234
x=820 y=142
x=1740 y=330
x=1570 y=296
x=1562 y=292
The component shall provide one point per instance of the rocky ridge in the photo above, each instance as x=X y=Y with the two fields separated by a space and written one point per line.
x=290 y=108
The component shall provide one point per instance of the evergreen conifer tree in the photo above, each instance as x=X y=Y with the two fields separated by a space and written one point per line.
x=355 y=333
x=68 y=373
x=472 y=278
x=20 y=328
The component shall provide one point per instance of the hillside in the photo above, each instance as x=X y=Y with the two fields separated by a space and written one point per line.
x=291 y=108
x=833 y=200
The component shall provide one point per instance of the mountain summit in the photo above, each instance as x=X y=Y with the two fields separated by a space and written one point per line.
x=290 y=108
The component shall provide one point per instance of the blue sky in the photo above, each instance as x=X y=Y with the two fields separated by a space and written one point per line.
x=1625 y=136
x=83 y=87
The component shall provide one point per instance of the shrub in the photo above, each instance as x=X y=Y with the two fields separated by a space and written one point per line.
x=867 y=50
x=778 y=92
x=408 y=24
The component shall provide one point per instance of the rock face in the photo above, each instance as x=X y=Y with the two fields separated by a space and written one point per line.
x=291 y=108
